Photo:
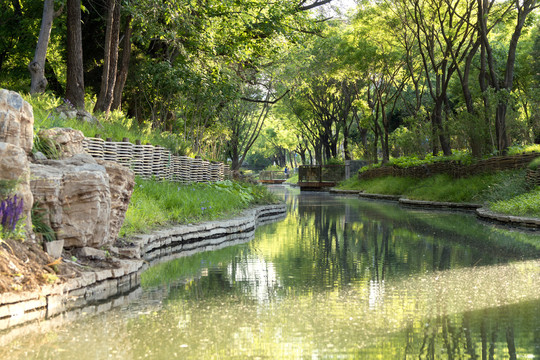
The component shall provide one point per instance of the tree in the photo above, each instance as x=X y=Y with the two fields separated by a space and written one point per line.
x=443 y=31
x=503 y=86
x=75 y=70
x=110 y=58
x=37 y=66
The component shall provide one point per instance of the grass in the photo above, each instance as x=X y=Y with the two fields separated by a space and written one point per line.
x=485 y=188
x=155 y=204
x=117 y=126
x=293 y=179
x=527 y=204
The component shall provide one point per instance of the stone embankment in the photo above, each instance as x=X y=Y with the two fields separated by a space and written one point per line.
x=482 y=213
x=84 y=201
x=99 y=290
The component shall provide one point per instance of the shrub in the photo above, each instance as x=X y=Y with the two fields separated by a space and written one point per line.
x=535 y=164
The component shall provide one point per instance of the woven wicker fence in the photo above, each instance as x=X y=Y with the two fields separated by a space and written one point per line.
x=148 y=161
x=533 y=177
x=454 y=168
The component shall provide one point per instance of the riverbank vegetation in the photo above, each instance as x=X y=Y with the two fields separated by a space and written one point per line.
x=505 y=192
x=160 y=203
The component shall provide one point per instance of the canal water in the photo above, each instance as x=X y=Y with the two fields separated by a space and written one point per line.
x=338 y=278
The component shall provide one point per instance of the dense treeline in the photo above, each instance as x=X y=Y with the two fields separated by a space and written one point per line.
x=289 y=80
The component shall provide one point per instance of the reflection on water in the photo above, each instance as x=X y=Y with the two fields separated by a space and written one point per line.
x=338 y=278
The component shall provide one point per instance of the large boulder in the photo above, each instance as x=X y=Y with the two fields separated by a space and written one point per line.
x=75 y=194
x=16 y=120
x=122 y=182
x=14 y=167
x=69 y=141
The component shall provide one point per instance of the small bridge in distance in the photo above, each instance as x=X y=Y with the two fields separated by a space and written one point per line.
x=272 y=177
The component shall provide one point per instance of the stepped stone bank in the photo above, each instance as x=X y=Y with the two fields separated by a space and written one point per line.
x=84 y=200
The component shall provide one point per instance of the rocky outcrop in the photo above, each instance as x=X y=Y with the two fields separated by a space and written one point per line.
x=67 y=111
x=14 y=166
x=75 y=194
x=16 y=120
x=86 y=201
x=122 y=182
x=69 y=141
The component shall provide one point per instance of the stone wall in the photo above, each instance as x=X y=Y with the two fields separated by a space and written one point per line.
x=91 y=292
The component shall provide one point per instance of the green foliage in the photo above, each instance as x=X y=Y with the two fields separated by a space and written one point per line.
x=155 y=204
x=293 y=179
x=527 y=205
x=273 y=168
x=117 y=126
x=504 y=185
x=478 y=188
x=7 y=187
x=40 y=226
x=445 y=188
x=47 y=146
x=404 y=162
x=534 y=164
x=524 y=149
x=335 y=161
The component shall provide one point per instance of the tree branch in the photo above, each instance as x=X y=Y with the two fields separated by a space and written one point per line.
x=265 y=101
x=317 y=3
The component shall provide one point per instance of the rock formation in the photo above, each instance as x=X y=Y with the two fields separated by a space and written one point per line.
x=84 y=202
x=14 y=166
x=16 y=120
x=69 y=141
x=75 y=193
x=122 y=182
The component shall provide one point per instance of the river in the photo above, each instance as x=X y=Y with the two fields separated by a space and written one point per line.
x=338 y=278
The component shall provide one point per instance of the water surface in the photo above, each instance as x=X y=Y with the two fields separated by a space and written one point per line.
x=339 y=277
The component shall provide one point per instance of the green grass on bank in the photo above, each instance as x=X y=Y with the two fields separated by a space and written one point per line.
x=154 y=204
x=293 y=179
x=485 y=188
x=527 y=204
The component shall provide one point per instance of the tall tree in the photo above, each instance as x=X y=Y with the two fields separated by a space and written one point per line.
x=37 y=65
x=75 y=69
x=443 y=30
x=503 y=86
x=110 y=58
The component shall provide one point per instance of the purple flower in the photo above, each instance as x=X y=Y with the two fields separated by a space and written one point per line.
x=10 y=213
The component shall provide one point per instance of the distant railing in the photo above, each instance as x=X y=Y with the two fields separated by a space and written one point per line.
x=272 y=176
x=148 y=161
x=321 y=174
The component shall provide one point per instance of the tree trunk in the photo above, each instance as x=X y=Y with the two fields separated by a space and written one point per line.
x=75 y=70
x=439 y=128
x=124 y=67
x=110 y=58
x=500 y=127
x=37 y=66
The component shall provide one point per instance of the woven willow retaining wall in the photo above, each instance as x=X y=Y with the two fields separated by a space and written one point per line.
x=150 y=161
x=533 y=177
x=454 y=168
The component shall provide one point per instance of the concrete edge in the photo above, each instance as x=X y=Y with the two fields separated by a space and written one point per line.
x=481 y=212
x=343 y=191
x=379 y=196
x=520 y=221
x=439 y=204
x=96 y=287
